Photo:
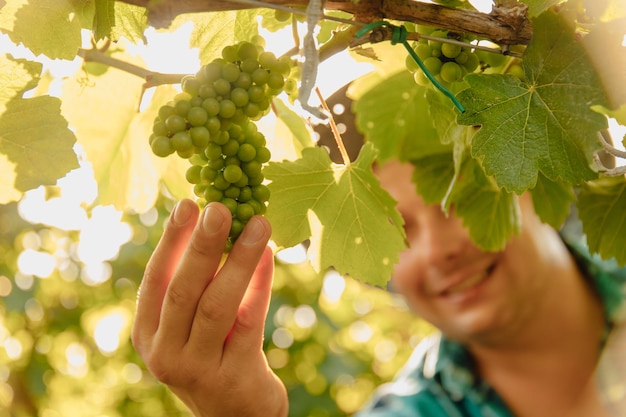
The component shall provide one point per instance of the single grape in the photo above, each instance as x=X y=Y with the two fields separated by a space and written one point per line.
x=433 y=65
x=275 y=81
x=239 y=96
x=263 y=155
x=190 y=85
x=230 y=72
x=232 y=173
x=208 y=174
x=260 y=76
x=244 y=212
x=159 y=128
x=450 y=50
x=197 y=116
x=451 y=72
x=261 y=193
x=181 y=142
x=220 y=182
x=231 y=204
x=222 y=87
x=213 y=194
x=175 y=123
x=213 y=124
x=245 y=194
x=193 y=174
x=236 y=227
x=232 y=192
x=230 y=148
x=161 y=146
x=227 y=108
x=182 y=107
x=282 y=15
x=256 y=94
x=230 y=53
x=165 y=111
x=259 y=208
x=200 y=136
x=246 y=152
x=472 y=62
x=247 y=50
x=244 y=81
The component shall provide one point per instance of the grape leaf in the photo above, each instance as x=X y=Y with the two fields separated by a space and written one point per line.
x=130 y=22
x=393 y=115
x=213 y=31
x=116 y=141
x=601 y=208
x=536 y=7
x=104 y=18
x=432 y=176
x=35 y=136
x=49 y=27
x=292 y=133
x=490 y=214
x=16 y=77
x=351 y=220
x=544 y=124
x=552 y=201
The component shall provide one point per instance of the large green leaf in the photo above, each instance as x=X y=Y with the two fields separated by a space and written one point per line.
x=213 y=31
x=490 y=213
x=49 y=27
x=292 y=133
x=16 y=76
x=104 y=18
x=130 y=22
x=35 y=137
x=552 y=201
x=536 y=7
x=601 y=207
x=351 y=221
x=544 y=124
x=394 y=116
x=114 y=136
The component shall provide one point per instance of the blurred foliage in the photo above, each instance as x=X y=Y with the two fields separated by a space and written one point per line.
x=64 y=337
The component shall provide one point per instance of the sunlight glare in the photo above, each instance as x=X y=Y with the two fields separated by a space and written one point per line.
x=334 y=285
x=108 y=330
x=32 y=262
x=102 y=235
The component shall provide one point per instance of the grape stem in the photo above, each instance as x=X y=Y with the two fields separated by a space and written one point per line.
x=333 y=128
x=152 y=78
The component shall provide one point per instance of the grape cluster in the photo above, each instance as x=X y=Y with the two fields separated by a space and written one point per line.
x=211 y=123
x=447 y=62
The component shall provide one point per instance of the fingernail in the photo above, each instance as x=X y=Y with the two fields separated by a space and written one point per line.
x=253 y=232
x=181 y=214
x=212 y=219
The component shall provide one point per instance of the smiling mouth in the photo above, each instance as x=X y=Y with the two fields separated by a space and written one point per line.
x=471 y=282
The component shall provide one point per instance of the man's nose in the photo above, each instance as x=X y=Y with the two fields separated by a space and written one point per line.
x=442 y=239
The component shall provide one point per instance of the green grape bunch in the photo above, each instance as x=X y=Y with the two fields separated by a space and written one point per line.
x=211 y=123
x=447 y=62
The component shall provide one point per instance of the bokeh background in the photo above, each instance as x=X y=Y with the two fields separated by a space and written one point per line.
x=68 y=281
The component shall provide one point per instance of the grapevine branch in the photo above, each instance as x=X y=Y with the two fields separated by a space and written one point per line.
x=152 y=78
x=505 y=25
x=609 y=150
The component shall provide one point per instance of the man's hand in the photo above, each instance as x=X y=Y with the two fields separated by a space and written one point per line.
x=199 y=327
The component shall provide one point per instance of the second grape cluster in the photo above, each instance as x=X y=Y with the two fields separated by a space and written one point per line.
x=211 y=123
x=447 y=62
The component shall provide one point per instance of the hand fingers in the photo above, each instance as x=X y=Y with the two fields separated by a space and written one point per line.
x=160 y=269
x=220 y=302
x=247 y=332
x=197 y=268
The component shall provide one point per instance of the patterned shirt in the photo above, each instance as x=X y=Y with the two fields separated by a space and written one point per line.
x=440 y=379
